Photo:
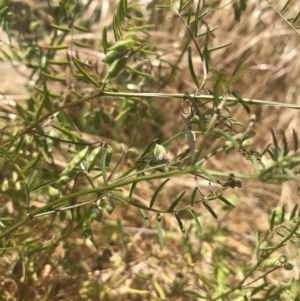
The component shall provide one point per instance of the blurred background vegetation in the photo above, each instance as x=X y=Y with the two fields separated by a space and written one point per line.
x=164 y=182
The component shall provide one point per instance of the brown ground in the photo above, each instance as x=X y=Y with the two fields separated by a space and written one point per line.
x=129 y=264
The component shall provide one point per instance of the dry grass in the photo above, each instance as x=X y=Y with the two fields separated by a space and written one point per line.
x=129 y=264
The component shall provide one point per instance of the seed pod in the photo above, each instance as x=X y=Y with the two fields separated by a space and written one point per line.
x=288 y=266
x=112 y=55
x=97 y=214
x=75 y=161
x=109 y=151
x=159 y=152
x=110 y=206
x=115 y=68
x=122 y=46
x=53 y=192
x=122 y=147
x=132 y=153
x=92 y=158
x=62 y=181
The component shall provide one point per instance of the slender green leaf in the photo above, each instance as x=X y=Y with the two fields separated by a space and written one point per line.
x=276 y=146
x=259 y=289
x=103 y=159
x=140 y=73
x=210 y=210
x=65 y=119
x=192 y=72
x=183 y=4
x=153 y=199
x=218 y=47
x=242 y=102
x=42 y=185
x=294 y=211
x=132 y=189
x=201 y=34
x=116 y=29
x=296 y=18
x=225 y=201
x=120 y=199
x=81 y=28
x=46 y=102
x=18 y=170
x=226 y=137
x=177 y=200
x=274 y=248
x=266 y=149
x=50 y=94
x=163 y=6
x=295 y=140
x=82 y=45
x=32 y=178
x=27 y=195
x=242 y=67
x=65 y=131
x=285 y=6
x=104 y=39
x=77 y=63
x=179 y=221
x=4 y=11
x=205 y=49
x=192 y=202
x=145 y=217
x=272 y=221
x=196 y=220
x=195 y=295
x=289 y=172
x=76 y=93
x=159 y=230
x=60 y=27
x=200 y=6
x=196 y=25
x=58 y=63
x=59 y=47
x=14 y=140
x=17 y=150
x=285 y=145
x=282 y=216
x=55 y=77
x=32 y=162
x=255 y=164
x=147 y=152
x=190 y=14
x=218 y=91
x=237 y=12
x=142 y=27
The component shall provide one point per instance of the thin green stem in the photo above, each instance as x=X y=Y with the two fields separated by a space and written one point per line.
x=38 y=122
x=259 y=262
x=230 y=100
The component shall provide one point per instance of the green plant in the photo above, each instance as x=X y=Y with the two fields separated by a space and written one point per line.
x=59 y=178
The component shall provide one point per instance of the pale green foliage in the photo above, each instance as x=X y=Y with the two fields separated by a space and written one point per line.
x=73 y=158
